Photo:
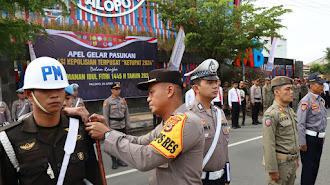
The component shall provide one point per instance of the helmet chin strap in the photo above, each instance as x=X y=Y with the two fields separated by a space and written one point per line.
x=39 y=105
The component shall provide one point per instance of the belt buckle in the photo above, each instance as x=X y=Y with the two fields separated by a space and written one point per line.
x=290 y=157
x=217 y=175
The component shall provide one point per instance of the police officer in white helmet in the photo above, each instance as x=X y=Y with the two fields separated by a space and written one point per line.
x=32 y=150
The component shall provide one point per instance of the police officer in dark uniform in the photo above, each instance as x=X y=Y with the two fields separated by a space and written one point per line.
x=115 y=112
x=312 y=122
x=32 y=150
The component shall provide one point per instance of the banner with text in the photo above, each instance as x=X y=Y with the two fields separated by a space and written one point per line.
x=96 y=61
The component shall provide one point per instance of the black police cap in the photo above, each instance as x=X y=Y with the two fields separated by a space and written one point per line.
x=161 y=76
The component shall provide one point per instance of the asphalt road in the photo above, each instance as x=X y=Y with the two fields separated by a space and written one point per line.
x=245 y=154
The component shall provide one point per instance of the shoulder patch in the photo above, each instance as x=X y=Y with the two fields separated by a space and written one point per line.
x=304 y=106
x=170 y=141
x=105 y=103
x=268 y=122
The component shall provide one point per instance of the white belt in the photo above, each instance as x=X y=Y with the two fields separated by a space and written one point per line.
x=214 y=175
x=315 y=134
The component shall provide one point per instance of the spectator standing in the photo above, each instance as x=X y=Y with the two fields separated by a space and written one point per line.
x=256 y=99
x=234 y=102
x=245 y=99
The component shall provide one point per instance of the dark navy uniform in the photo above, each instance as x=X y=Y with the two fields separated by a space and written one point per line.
x=312 y=122
x=40 y=150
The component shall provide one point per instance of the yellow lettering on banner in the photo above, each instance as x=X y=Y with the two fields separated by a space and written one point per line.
x=147 y=62
x=116 y=76
x=62 y=61
x=104 y=76
x=92 y=77
x=132 y=62
x=133 y=75
x=109 y=62
x=73 y=61
x=170 y=141
x=144 y=75
x=76 y=76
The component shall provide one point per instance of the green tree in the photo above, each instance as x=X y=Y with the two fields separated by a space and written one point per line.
x=15 y=31
x=315 y=67
x=220 y=30
x=326 y=67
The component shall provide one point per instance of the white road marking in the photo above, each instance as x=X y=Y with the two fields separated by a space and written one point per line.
x=328 y=118
x=121 y=173
x=135 y=170
x=244 y=141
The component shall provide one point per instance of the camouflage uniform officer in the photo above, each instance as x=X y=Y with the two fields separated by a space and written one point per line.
x=115 y=112
x=21 y=106
x=267 y=94
x=174 y=149
x=76 y=101
x=295 y=95
x=5 y=117
x=215 y=170
x=312 y=123
x=280 y=136
x=32 y=150
x=304 y=88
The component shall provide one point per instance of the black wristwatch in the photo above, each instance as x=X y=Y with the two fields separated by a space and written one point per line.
x=106 y=134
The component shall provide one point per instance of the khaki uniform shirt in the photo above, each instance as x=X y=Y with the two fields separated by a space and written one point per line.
x=255 y=94
x=279 y=134
x=35 y=151
x=20 y=108
x=312 y=115
x=184 y=168
x=4 y=113
x=295 y=92
x=76 y=104
x=219 y=157
x=115 y=112
x=267 y=95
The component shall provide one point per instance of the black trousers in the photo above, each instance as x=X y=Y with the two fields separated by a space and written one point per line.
x=243 y=108
x=220 y=181
x=311 y=160
x=326 y=98
x=235 y=114
x=255 y=112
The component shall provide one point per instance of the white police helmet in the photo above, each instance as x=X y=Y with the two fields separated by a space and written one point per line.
x=45 y=73
x=207 y=70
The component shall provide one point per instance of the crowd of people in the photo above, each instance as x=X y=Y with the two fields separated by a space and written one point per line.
x=51 y=137
x=257 y=96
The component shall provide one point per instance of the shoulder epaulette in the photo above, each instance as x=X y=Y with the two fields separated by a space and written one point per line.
x=11 y=125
